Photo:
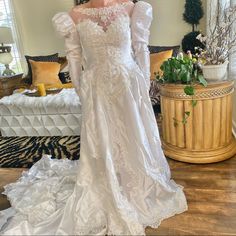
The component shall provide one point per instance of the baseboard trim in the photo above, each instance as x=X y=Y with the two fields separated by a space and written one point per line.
x=234 y=128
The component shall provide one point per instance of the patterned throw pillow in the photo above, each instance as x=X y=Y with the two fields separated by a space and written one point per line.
x=154 y=94
x=65 y=77
x=157 y=49
x=48 y=58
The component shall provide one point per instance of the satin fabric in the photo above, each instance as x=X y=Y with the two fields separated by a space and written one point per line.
x=66 y=28
x=122 y=181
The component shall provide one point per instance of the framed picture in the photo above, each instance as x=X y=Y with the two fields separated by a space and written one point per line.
x=77 y=2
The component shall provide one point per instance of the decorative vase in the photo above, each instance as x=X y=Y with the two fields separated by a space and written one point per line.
x=215 y=72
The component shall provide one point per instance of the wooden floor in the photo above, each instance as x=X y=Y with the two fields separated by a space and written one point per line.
x=211 y=195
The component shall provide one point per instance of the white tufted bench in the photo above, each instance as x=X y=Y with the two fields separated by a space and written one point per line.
x=53 y=115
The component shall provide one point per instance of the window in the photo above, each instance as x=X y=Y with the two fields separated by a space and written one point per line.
x=7 y=19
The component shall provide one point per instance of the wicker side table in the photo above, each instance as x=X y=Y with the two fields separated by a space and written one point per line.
x=207 y=136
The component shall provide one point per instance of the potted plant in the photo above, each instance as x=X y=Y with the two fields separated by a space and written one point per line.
x=182 y=70
x=219 y=43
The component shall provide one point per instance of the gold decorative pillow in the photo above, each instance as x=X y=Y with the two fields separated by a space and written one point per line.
x=60 y=86
x=157 y=59
x=45 y=72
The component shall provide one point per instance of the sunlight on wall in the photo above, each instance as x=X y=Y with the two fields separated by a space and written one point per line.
x=34 y=18
x=168 y=27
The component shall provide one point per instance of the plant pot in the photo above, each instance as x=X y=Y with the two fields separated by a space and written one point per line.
x=215 y=72
x=207 y=135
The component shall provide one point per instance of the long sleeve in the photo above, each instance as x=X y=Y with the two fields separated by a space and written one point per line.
x=140 y=28
x=66 y=28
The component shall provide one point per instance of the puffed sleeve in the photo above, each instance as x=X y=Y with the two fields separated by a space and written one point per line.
x=65 y=27
x=141 y=20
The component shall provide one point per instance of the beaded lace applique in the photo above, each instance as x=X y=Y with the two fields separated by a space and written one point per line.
x=103 y=16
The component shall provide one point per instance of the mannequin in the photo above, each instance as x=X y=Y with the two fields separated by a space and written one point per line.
x=122 y=182
x=76 y=16
x=101 y=3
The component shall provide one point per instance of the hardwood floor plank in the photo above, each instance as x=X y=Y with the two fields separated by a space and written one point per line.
x=209 y=208
x=211 y=194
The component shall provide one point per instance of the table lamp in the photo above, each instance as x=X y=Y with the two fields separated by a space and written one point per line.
x=5 y=51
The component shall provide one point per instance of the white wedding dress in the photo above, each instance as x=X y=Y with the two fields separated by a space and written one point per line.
x=122 y=182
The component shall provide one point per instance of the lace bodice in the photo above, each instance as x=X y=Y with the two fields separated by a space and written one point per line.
x=104 y=34
x=103 y=16
x=104 y=37
x=110 y=45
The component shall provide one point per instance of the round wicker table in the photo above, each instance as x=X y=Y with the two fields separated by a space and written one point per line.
x=207 y=135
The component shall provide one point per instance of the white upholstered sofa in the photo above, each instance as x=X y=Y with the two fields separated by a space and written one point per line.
x=53 y=115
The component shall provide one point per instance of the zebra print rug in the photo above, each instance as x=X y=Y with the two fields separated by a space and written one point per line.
x=23 y=152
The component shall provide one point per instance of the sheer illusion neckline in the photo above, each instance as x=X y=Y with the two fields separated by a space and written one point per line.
x=101 y=9
x=104 y=29
x=103 y=17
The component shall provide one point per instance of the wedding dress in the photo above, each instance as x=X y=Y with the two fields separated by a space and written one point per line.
x=122 y=182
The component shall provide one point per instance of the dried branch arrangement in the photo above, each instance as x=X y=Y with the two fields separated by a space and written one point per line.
x=221 y=41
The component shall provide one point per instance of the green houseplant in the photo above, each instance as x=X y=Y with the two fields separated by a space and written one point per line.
x=182 y=70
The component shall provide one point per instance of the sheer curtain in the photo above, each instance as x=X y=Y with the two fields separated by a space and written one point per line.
x=233 y=57
x=7 y=18
x=210 y=12
x=232 y=68
x=211 y=4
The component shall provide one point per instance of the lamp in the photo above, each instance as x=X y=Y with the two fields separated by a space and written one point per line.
x=5 y=51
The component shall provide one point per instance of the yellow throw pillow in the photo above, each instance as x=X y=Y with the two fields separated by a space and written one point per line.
x=157 y=59
x=45 y=72
x=60 y=86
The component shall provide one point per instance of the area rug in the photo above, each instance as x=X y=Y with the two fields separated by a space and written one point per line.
x=23 y=152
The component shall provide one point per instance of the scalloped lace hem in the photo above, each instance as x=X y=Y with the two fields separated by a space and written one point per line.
x=113 y=232
x=46 y=170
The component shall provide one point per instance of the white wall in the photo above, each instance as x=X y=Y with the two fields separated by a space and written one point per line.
x=34 y=21
x=168 y=27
